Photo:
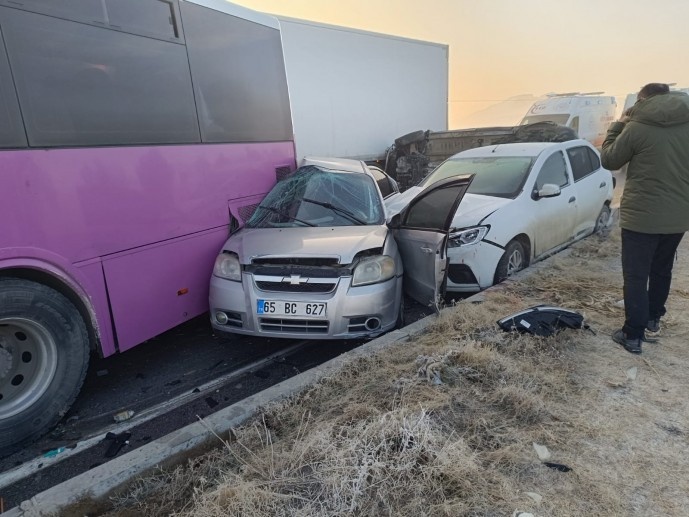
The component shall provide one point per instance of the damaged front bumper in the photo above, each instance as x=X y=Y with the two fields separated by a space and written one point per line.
x=349 y=312
x=472 y=268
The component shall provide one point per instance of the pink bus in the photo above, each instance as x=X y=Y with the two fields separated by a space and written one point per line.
x=133 y=135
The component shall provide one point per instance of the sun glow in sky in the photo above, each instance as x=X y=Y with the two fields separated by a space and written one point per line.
x=501 y=49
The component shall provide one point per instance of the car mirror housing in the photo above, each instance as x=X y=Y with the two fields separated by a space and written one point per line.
x=548 y=190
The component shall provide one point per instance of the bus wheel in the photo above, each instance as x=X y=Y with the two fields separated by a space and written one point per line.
x=44 y=353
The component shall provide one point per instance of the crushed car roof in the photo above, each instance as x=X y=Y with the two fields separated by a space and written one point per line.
x=336 y=164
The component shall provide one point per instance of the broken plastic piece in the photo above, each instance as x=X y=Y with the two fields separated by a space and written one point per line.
x=54 y=452
x=123 y=415
x=542 y=451
x=542 y=320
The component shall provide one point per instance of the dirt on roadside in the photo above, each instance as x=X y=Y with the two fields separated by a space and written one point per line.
x=447 y=423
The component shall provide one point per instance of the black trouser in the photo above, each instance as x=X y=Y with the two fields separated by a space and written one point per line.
x=647 y=270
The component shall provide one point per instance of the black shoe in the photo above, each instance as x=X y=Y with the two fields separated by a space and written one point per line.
x=633 y=346
x=653 y=325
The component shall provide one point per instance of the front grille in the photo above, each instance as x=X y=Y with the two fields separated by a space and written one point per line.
x=289 y=326
x=297 y=261
x=461 y=274
x=306 y=272
x=286 y=287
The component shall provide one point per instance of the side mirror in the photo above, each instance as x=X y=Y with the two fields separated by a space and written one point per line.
x=548 y=190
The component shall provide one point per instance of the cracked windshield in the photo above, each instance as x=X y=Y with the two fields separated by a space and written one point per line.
x=315 y=197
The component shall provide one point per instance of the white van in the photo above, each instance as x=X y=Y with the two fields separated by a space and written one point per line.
x=589 y=114
x=630 y=100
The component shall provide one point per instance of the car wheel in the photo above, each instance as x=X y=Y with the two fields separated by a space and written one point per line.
x=603 y=219
x=514 y=259
x=44 y=352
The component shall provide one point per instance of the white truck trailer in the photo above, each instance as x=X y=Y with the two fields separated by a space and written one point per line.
x=353 y=92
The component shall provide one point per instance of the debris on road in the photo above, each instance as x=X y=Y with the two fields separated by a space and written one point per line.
x=123 y=415
x=118 y=441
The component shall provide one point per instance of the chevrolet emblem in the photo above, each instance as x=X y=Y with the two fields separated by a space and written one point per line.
x=295 y=280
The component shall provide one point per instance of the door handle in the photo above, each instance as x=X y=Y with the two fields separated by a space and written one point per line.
x=426 y=250
x=572 y=199
x=602 y=185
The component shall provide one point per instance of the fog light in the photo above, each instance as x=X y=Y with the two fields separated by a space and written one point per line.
x=221 y=317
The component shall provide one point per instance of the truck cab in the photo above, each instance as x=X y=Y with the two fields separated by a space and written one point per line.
x=589 y=114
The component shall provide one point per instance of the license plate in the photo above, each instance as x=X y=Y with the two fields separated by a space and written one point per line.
x=282 y=308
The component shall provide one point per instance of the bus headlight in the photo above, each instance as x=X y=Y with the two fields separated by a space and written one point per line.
x=467 y=237
x=227 y=266
x=372 y=270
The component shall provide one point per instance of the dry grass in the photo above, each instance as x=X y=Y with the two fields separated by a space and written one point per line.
x=444 y=425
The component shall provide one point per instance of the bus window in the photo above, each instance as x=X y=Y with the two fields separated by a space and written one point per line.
x=239 y=77
x=11 y=130
x=154 y=17
x=94 y=86
x=78 y=10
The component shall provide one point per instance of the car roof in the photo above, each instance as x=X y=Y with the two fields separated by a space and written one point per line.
x=530 y=149
x=337 y=164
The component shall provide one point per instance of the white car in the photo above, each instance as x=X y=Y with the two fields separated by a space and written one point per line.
x=526 y=201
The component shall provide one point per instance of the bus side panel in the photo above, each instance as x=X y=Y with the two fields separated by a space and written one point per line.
x=155 y=288
x=98 y=296
x=89 y=203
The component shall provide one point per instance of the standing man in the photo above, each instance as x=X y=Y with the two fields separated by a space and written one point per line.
x=653 y=138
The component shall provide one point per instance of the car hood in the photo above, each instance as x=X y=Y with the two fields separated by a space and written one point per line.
x=471 y=211
x=474 y=208
x=343 y=242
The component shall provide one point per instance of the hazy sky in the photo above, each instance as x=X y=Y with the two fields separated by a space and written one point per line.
x=503 y=48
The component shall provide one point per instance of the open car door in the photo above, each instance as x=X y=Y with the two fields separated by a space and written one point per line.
x=421 y=230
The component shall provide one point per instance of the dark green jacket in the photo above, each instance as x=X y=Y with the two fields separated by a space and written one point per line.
x=655 y=143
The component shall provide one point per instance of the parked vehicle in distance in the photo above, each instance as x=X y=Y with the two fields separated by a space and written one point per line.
x=317 y=259
x=527 y=201
x=630 y=98
x=589 y=114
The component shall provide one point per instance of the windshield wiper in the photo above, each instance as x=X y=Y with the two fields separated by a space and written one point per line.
x=349 y=215
x=283 y=214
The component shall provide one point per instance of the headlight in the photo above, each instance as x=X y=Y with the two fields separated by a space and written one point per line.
x=467 y=237
x=227 y=266
x=372 y=270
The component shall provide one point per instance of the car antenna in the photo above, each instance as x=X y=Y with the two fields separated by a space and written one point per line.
x=495 y=148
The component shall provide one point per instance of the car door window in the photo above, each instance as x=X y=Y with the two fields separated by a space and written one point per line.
x=553 y=171
x=581 y=163
x=382 y=180
x=431 y=211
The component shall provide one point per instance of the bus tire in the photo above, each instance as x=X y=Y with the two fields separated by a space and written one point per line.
x=44 y=354
x=514 y=259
